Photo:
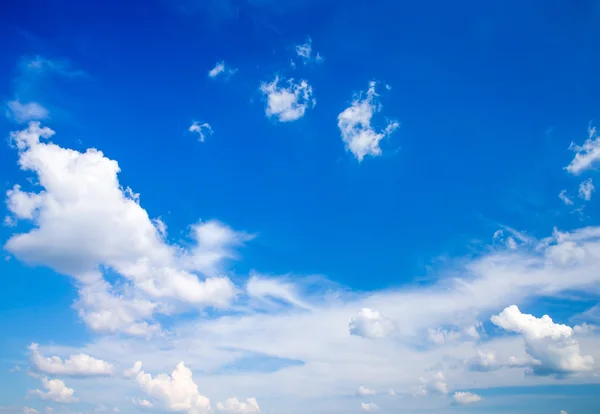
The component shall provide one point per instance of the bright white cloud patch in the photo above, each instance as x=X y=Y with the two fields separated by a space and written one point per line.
x=435 y=385
x=365 y=392
x=234 y=406
x=289 y=101
x=221 y=69
x=56 y=391
x=201 y=130
x=369 y=407
x=25 y=112
x=464 y=398
x=75 y=365
x=586 y=188
x=565 y=199
x=83 y=218
x=551 y=345
x=370 y=323
x=587 y=155
x=177 y=392
x=143 y=403
x=354 y=122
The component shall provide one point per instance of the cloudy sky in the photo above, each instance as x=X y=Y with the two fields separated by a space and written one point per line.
x=299 y=206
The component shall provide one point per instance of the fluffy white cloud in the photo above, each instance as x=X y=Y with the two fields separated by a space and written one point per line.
x=354 y=123
x=436 y=385
x=178 y=391
x=551 y=345
x=484 y=362
x=370 y=323
x=56 y=390
x=234 y=406
x=464 y=398
x=143 y=403
x=25 y=112
x=201 y=130
x=83 y=218
x=369 y=407
x=221 y=69
x=76 y=365
x=134 y=370
x=586 y=188
x=287 y=103
x=365 y=392
x=586 y=155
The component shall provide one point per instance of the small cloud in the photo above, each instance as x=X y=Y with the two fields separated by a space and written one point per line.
x=41 y=65
x=201 y=129
x=587 y=155
x=56 y=390
x=28 y=410
x=565 y=199
x=371 y=324
x=369 y=407
x=305 y=52
x=287 y=103
x=354 y=122
x=221 y=69
x=25 y=112
x=365 y=392
x=586 y=188
x=143 y=403
x=234 y=406
x=436 y=385
x=464 y=398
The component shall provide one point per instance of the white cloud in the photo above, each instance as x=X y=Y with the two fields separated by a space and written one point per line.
x=134 y=370
x=234 y=406
x=305 y=52
x=201 y=130
x=221 y=69
x=365 y=392
x=464 y=398
x=28 y=410
x=56 y=390
x=586 y=155
x=76 y=365
x=563 y=412
x=178 y=391
x=142 y=403
x=370 y=323
x=25 y=112
x=354 y=123
x=586 y=188
x=484 y=362
x=287 y=103
x=584 y=329
x=369 y=407
x=565 y=199
x=266 y=289
x=551 y=345
x=83 y=218
x=436 y=385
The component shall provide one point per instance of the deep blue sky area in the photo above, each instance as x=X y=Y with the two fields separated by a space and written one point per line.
x=488 y=97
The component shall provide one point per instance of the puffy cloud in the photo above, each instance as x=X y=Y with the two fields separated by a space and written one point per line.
x=354 y=123
x=464 y=398
x=234 y=406
x=565 y=199
x=586 y=188
x=56 y=390
x=83 y=219
x=365 y=392
x=201 y=130
x=436 y=385
x=178 y=391
x=134 y=370
x=584 y=329
x=221 y=69
x=142 y=403
x=76 y=365
x=586 y=155
x=369 y=407
x=551 y=345
x=370 y=323
x=287 y=103
x=25 y=112
x=484 y=362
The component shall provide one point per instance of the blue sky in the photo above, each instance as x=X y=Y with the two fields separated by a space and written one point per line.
x=296 y=199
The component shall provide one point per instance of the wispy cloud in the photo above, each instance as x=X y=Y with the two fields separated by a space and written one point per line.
x=287 y=103
x=201 y=129
x=221 y=69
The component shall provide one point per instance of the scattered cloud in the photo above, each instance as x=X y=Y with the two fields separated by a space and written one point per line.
x=28 y=410
x=287 y=103
x=436 y=385
x=354 y=122
x=369 y=407
x=552 y=346
x=565 y=199
x=305 y=52
x=76 y=365
x=56 y=391
x=371 y=324
x=234 y=406
x=41 y=65
x=586 y=188
x=25 y=112
x=222 y=69
x=142 y=403
x=201 y=130
x=464 y=398
x=365 y=392
x=587 y=155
